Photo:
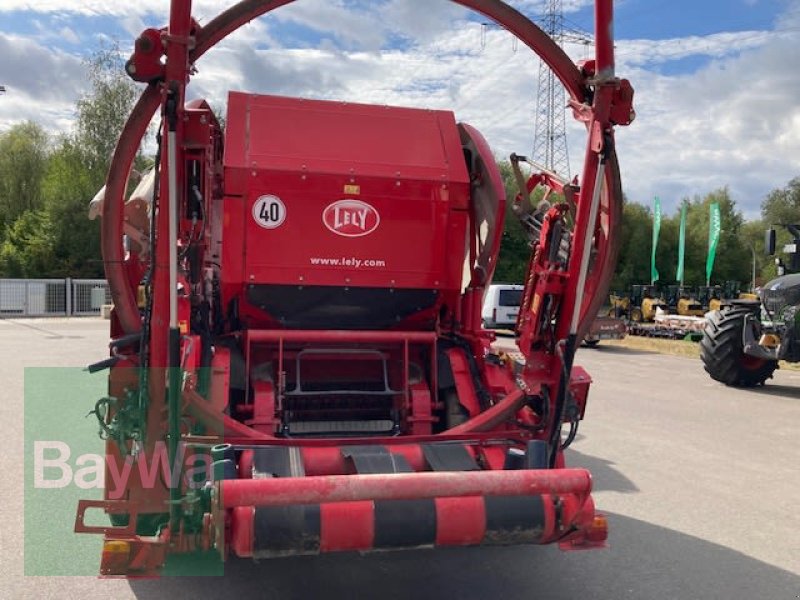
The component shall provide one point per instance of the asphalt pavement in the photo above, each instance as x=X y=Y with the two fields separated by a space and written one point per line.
x=700 y=483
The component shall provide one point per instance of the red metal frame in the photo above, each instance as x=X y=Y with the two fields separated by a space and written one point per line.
x=499 y=399
x=122 y=290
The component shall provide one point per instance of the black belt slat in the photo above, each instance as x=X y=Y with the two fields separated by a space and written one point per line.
x=283 y=529
x=514 y=519
x=405 y=523
x=277 y=461
x=371 y=460
x=286 y=530
x=449 y=457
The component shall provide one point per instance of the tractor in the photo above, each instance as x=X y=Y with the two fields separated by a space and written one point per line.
x=743 y=342
x=297 y=363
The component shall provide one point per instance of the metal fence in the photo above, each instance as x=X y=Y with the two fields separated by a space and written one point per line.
x=52 y=297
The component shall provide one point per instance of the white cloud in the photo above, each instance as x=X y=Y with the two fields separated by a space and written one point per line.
x=84 y=7
x=212 y=7
x=42 y=83
x=735 y=122
x=492 y=87
x=103 y=7
x=69 y=35
x=650 y=52
x=537 y=7
x=353 y=27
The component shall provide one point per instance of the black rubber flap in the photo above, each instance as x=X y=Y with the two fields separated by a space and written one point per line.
x=282 y=530
x=371 y=460
x=276 y=461
x=449 y=457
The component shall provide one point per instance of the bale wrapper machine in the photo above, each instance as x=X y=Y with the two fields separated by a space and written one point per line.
x=297 y=359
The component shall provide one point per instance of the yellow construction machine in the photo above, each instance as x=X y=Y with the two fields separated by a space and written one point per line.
x=645 y=300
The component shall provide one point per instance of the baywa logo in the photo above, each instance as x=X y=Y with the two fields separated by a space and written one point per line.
x=52 y=469
x=351 y=218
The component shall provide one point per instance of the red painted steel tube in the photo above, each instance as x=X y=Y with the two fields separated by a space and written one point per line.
x=289 y=491
x=122 y=295
x=487 y=440
x=322 y=335
x=604 y=38
x=177 y=47
x=218 y=422
x=492 y=417
x=581 y=232
x=177 y=58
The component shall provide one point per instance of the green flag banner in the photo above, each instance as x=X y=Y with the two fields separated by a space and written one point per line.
x=656 y=230
x=682 y=243
x=714 y=229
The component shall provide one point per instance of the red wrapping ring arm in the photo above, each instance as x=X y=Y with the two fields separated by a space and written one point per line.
x=225 y=23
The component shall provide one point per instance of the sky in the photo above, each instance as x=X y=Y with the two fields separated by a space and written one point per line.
x=717 y=81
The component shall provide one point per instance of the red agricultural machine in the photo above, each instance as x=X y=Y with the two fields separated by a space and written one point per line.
x=297 y=359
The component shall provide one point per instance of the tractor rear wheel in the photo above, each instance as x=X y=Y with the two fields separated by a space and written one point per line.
x=721 y=350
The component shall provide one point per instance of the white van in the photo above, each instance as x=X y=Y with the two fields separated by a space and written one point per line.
x=501 y=305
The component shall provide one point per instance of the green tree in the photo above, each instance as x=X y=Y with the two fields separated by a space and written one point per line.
x=23 y=154
x=636 y=233
x=27 y=250
x=67 y=187
x=667 y=252
x=49 y=234
x=78 y=167
x=733 y=256
x=752 y=237
x=780 y=207
x=514 y=245
x=102 y=112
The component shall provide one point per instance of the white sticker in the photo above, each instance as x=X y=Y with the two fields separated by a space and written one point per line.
x=269 y=212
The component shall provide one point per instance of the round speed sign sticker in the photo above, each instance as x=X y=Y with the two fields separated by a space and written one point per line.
x=269 y=211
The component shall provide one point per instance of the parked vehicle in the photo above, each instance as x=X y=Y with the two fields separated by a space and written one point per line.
x=501 y=305
x=645 y=301
x=742 y=349
x=605 y=328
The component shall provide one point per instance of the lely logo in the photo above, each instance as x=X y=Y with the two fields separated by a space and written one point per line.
x=351 y=218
